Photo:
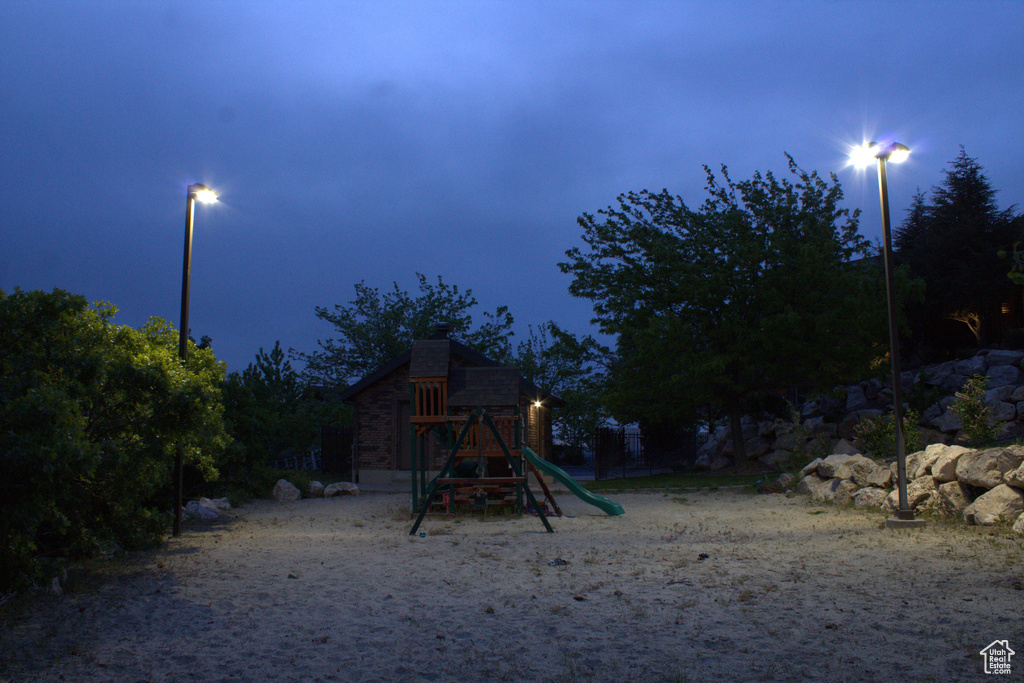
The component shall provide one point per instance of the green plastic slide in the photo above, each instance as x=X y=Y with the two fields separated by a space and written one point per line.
x=608 y=506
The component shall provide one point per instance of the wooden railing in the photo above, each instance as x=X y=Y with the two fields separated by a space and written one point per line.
x=430 y=400
x=505 y=424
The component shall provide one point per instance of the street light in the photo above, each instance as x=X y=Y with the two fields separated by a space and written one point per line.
x=863 y=156
x=207 y=196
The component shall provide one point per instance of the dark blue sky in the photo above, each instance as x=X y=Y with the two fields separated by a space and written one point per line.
x=367 y=141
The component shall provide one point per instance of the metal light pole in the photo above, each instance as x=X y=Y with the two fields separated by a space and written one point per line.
x=896 y=153
x=206 y=195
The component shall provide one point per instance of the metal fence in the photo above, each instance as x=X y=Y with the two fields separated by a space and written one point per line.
x=626 y=452
x=334 y=454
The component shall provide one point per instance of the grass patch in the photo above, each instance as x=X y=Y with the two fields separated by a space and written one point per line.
x=682 y=481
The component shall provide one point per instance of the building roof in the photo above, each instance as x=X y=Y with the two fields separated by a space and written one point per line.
x=431 y=358
x=471 y=387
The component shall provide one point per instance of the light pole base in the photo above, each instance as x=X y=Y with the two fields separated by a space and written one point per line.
x=897 y=523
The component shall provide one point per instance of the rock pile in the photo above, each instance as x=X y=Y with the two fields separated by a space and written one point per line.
x=285 y=491
x=823 y=421
x=980 y=486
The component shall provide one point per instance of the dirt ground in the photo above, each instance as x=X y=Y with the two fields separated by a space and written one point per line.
x=684 y=587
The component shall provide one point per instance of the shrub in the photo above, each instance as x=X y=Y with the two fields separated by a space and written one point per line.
x=876 y=436
x=970 y=407
x=91 y=415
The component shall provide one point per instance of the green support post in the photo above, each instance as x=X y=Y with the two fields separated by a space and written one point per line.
x=413 y=447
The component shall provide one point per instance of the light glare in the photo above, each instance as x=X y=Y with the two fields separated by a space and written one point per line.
x=863 y=156
x=207 y=196
x=898 y=153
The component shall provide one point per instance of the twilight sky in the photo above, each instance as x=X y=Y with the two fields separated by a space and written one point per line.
x=372 y=140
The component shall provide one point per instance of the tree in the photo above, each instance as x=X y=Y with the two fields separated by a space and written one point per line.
x=560 y=363
x=374 y=328
x=91 y=414
x=953 y=244
x=751 y=294
x=270 y=410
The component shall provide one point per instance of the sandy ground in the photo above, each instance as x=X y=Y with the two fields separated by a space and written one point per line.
x=684 y=587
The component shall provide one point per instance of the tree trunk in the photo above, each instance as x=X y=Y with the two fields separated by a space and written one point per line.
x=739 y=453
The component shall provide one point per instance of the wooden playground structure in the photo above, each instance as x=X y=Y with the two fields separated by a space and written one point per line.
x=484 y=465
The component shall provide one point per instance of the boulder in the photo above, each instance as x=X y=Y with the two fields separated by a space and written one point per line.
x=935 y=375
x=827 y=468
x=285 y=491
x=855 y=397
x=847 y=427
x=719 y=463
x=921 y=494
x=1018 y=526
x=1015 y=477
x=756 y=446
x=316 y=490
x=341 y=488
x=776 y=458
x=1001 y=412
x=880 y=477
x=844 y=447
x=944 y=467
x=868 y=497
x=948 y=421
x=194 y=510
x=819 y=427
x=1017 y=395
x=216 y=503
x=1001 y=375
x=953 y=383
x=808 y=483
x=785 y=479
x=1003 y=357
x=1000 y=394
x=985 y=469
x=1001 y=504
x=789 y=441
x=975 y=365
x=811 y=467
x=925 y=461
x=953 y=498
x=837 y=491
x=856 y=469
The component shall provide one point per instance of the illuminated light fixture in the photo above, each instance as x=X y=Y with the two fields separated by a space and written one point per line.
x=537 y=403
x=203 y=193
x=862 y=157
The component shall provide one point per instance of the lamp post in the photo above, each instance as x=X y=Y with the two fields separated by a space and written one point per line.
x=862 y=156
x=205 y=195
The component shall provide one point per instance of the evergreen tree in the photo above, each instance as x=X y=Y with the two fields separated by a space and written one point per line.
x=953 y=243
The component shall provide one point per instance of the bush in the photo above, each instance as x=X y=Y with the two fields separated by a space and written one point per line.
x=91 y=415
x=970 y=407
x=876 y=436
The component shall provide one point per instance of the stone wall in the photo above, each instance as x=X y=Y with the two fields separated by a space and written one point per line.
x=979 y=486
x=824 y=422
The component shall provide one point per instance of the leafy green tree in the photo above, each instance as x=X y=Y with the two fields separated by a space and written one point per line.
x=271 y=411
x=91 y=414
x=750 y=294
x=374 y=328
x=953 y=244
x=560 y=363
